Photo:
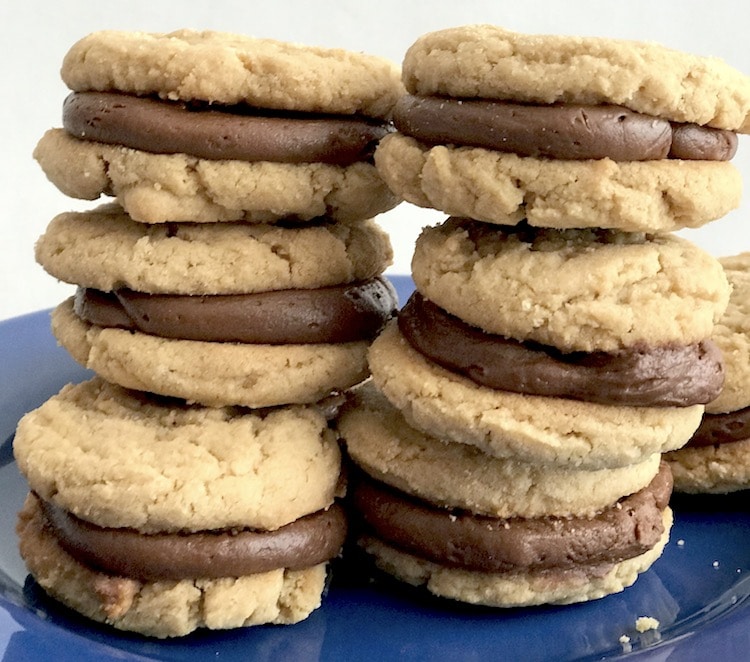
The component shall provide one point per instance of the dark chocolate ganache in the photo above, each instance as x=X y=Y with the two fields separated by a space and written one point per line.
x=455 y=538
x=559 y=131
x=306 y=542
x=671 y=376
x=337 y=314
x=214 y=132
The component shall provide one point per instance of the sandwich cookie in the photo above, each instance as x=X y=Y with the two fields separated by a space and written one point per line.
x=566 y=131
x=221 y=314
x=717 y=458
x=497 y=532
x=160 y=517
x=208 y=126
x=577 y=290
x=541 y=345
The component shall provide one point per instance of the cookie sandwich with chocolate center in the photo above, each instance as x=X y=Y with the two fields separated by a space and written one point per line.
x=566 y=131
x=130 y=525
x=210 y=126
x=220 y=314
x=585 y=348
x=430 y=512
x=715 y=460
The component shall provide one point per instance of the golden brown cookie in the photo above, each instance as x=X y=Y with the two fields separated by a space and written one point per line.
x=490 y=62
x=454 y=475
x=575 y=290
x=551 y=431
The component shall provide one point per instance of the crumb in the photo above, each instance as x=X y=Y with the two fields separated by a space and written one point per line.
x=645 y=623
x=680 y=543
x=715 y=564
x=627 y=647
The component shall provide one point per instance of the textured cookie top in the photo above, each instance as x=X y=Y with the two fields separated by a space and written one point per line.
x=582 y=290
x=486 y=61
x=105 y=250
x=454 y=475
x=124 y=459
x=732 y=335
x=230 y=69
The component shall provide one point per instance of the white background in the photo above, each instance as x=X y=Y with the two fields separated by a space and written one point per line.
x=35 y=35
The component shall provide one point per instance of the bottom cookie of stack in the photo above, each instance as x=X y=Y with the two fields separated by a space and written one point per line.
x=160 y=518
x=498 y=532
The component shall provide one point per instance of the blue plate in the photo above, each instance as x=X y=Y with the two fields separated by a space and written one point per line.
x=698 y=590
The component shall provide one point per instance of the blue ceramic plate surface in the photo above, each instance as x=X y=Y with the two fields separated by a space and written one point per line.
x=699 y=590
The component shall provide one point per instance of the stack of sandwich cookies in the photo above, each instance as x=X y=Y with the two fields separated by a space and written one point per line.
x=558 y=339
x=220 y=348
x=717 y=457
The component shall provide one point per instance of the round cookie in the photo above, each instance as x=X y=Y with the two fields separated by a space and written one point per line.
x=515 y=589
x=575 y=290
x=649 y=196
x=452 y=475
x=532 y=429
x=225 y=68
x=157 y=188
x=732 y=335
x=242 y=76
x=121 y=458
x=720 y=462
x=489 y=62
x=717 y=469
x=104 y=249
x=212 y=373
x=166 y=608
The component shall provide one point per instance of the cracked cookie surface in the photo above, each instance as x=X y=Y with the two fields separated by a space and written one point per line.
x=649 y=196
x=487 y=61
x=574 y=290
x=549 y=431
x=120 y=458
x=454 y=475
x=104 y=249
x=158 y=188
x=227 y=68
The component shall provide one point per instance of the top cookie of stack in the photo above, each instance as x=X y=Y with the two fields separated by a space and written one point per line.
x=566 y=132
x=276 y=304
x=207 y=126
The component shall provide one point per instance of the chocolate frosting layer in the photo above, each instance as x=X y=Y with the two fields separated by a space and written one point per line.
x=646 y=377
x=692 y=142
x=337 y=314
x=215 y=132
x=558 y=131
x=303 y=543
x=459 y=539
x=722 y=428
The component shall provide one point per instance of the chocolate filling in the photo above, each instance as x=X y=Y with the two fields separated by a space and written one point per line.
x=559 y=131
x=215 y=132
x=343 y=313
x=722 y=429
x=455 y=538
x=310 y=540
x=649 y=377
